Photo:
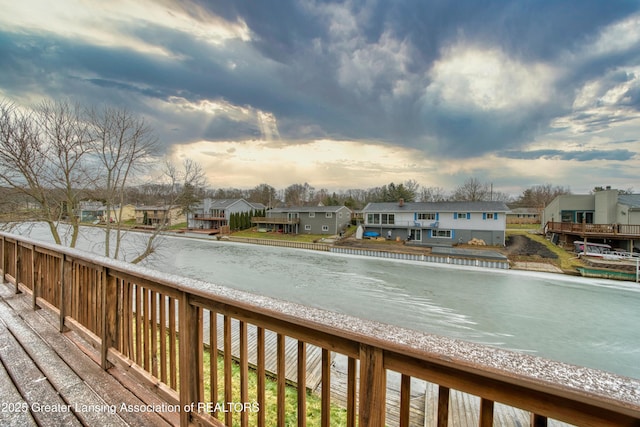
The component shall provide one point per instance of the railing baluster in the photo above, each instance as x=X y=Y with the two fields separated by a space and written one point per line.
x=36 y=274
x=154 y=334
x=65 y=282
x=302 y=384
x=281 y=379
x=163 y=338
x=3 y=263
x=261 y=377
x=486 y=413
x=351 y=392
x=443 y=406
x=138 y=324
x=228 y=415
x=146 y=325
x=213 y=359
x=325 y=410
x=538 y=420
x=244 y=372
x=405 y=400
x=173 y=371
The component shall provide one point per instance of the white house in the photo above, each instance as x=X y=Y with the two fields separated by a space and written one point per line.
x=438 y=223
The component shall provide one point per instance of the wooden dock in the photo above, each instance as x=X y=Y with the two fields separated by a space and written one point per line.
x=464 y=408
x=314 y=354
x=49 y=378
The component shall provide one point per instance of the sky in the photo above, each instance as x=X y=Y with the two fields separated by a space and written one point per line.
x=351 y=94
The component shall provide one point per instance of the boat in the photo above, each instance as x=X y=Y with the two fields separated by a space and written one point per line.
x=370 y=234
x=606 y=273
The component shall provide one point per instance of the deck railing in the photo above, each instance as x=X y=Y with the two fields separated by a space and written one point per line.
x=594 y=229
x=156 y=325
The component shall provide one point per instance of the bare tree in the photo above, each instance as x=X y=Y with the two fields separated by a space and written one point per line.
x=41 y=155
x=433 y=194
x=472 y=191
x=264 y=194
x=540 y=195
x=122 y=145
x=298 y=194
x=178 y=181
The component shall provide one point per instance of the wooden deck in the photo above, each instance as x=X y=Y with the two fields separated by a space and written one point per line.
x=49 y=378
x=41 y=386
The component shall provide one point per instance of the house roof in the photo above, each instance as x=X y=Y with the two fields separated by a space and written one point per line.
x=437 y=207
x=225 y=203
x=309 y=209
x=156 y=208
x=631 y=200
x=531 y=211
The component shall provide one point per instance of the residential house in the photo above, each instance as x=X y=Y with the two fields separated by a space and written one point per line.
x=213 y=214
x=438 y=223
x=128 y=213
x=602 y=217
x=159 y=215
x=306 y=219
x=524 y=216
x=90 y=211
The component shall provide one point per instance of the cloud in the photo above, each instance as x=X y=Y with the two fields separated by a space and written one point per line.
x=460 y=82
x=581 y=156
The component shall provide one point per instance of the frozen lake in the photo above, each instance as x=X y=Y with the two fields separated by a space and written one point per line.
x=588 y=322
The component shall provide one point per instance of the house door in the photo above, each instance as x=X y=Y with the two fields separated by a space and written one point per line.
x=416 y=235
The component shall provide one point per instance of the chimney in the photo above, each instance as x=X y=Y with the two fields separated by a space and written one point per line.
x=401 y=202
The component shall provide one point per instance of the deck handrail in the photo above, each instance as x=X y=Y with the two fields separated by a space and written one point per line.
x=594 y=229
x=124 y=309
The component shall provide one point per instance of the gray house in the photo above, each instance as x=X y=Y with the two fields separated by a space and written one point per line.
x=438 y=223
x=213 y=214
x=602 y=217
x=306 y=219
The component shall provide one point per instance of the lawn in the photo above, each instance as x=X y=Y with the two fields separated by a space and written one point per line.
x=252 y=233
x=566 y=260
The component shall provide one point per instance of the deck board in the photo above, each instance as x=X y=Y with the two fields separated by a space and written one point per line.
x=36 y=373
x=12 y=413
x=43 y=401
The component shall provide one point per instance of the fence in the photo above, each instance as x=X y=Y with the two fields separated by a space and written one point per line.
x=155 y=325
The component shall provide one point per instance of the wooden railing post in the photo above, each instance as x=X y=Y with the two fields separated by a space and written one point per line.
x=36 y=277
x=190 y=358
x=65 y=282
x=3 y=263
x=373 y=386
x=17 y=262
x=109 y=316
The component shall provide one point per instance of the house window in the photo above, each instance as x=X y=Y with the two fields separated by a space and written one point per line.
x=307 y=227
x=325 y=228
x=428 y=216
x=381 y=219
x=328 y=215
x=490 y=216
x=441 y=234
x=461 y=215
x=388 y=218
x=312 y=214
